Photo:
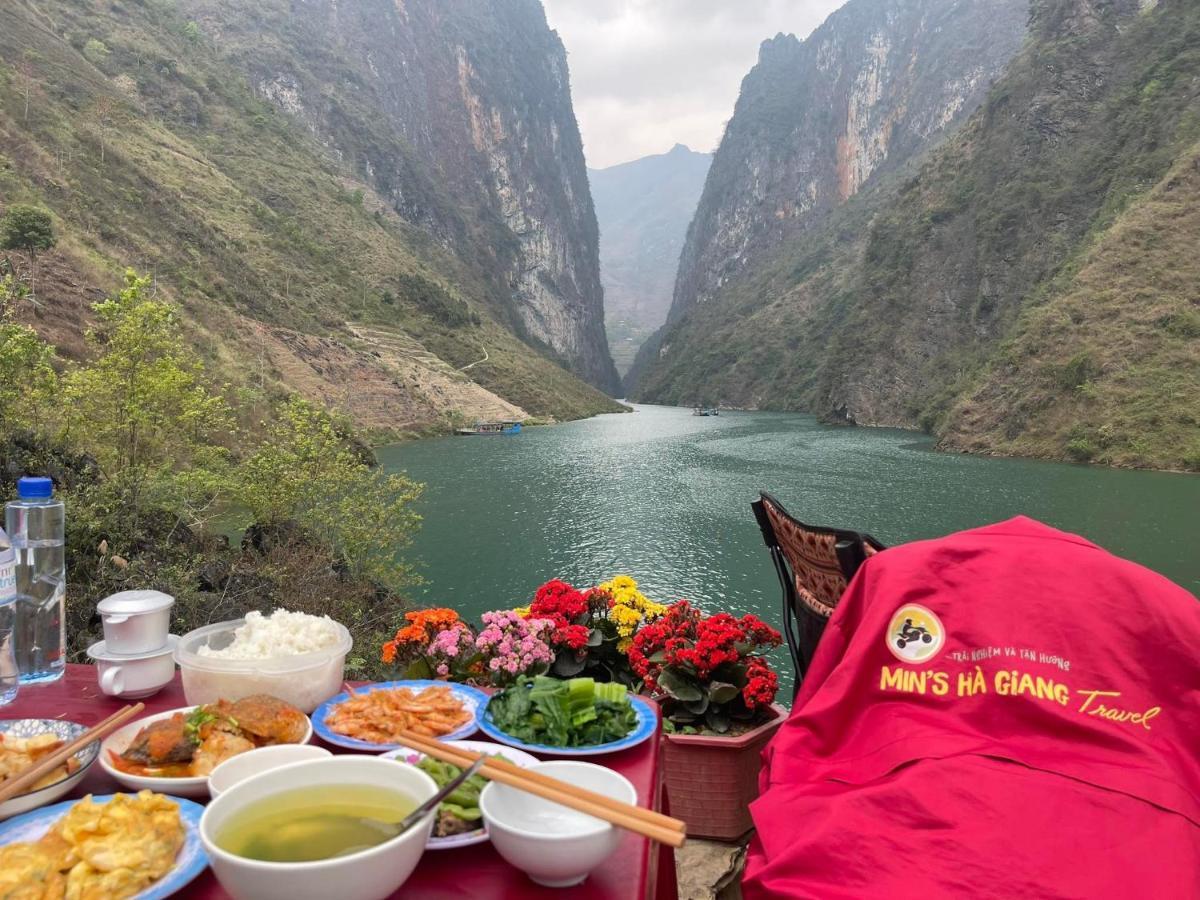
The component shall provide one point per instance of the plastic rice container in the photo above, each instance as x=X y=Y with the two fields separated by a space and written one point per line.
x=305 y=680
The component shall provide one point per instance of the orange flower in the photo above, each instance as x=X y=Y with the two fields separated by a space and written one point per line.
x=422 y=625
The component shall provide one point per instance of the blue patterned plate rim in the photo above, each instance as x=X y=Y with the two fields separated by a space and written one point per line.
x=647 y=722
x=190 y=861
x=26 y=728
x=471 y=697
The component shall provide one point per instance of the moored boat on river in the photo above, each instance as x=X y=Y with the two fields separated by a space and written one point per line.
x=503 y=427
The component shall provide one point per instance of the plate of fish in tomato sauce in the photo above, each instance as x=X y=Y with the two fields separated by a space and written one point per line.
x=173 y=752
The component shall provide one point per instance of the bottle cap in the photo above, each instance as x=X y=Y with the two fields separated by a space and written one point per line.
x=35 y=488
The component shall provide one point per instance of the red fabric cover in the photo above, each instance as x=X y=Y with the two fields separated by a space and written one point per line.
x=874 y=789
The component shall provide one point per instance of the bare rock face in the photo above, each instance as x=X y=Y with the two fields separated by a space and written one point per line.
x=877 y=83
x=459 y=114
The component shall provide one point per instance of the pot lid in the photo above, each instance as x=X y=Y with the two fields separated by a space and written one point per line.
x=99 y=651
x=131 y=602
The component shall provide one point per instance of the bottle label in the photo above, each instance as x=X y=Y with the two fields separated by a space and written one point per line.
x=8 y=580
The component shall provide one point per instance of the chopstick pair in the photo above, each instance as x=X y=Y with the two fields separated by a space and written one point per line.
x=645 y=822
x=16 y=785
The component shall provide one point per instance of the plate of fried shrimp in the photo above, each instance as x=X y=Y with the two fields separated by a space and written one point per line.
x=373 y=716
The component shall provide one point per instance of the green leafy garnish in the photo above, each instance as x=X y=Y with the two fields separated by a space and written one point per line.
x=198 y=718
x=572 y=713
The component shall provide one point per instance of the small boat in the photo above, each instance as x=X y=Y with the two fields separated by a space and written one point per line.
x=505 y=427
x=705 y=411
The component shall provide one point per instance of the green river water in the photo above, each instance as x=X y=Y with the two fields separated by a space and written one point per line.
x=664 y=496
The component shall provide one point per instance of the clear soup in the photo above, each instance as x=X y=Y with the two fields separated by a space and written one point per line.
x=315 y=823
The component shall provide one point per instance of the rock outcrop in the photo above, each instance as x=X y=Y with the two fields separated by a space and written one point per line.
x=1026 y=289
x=816 y=119
x=458 y=114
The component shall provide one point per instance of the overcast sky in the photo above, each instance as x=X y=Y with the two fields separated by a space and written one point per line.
x=647 y=74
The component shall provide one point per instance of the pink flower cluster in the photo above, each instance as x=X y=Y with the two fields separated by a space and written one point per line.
x=448 y=646
x=515 y=646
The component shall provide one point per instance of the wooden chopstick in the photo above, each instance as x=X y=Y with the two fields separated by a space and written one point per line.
x=648 y=814
x=15 y=786
x=645 y=822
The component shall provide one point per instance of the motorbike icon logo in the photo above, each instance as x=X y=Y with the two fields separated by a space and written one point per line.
x=915 y=634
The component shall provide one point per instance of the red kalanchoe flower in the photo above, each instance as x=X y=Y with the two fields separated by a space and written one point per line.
x=761 y=684
x=574 y=637
x=558 y=601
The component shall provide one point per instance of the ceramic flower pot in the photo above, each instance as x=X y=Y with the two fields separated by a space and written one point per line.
x=711 y=779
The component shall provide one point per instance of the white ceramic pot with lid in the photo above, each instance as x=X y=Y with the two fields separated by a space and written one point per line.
x=136 y=621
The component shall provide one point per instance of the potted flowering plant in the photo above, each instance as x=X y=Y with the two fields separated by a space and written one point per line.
x=716 y=690
x=435 y=643
x=513 y=647
x=593 y=629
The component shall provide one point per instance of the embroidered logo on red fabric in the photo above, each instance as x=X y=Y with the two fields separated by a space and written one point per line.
x=915 y=634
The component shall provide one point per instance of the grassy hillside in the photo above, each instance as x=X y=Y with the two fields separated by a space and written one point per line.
x=1105 y=369
x=152 y=152
x=1024 y=291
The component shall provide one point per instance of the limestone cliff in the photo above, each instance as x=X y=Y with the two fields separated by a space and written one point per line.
x=458 y=114
x=380 y=205
x=879 y=81
x=1027 y=288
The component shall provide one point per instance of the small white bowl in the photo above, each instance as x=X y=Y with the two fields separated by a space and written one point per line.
x=371 y=874
x=553 y=845
x=192 y=786
x=238 y=768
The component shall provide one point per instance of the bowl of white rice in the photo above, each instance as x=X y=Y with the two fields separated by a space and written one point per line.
x=293 y=656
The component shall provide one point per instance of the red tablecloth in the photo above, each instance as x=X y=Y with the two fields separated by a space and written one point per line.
x=638 y=870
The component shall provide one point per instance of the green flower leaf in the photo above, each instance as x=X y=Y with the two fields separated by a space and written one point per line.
x=679 y=686
x=722 y=692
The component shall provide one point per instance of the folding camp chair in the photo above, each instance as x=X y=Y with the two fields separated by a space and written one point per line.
x=814 y=564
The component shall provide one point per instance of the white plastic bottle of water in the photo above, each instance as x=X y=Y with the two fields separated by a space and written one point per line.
x=35 y=524
x=8 y=615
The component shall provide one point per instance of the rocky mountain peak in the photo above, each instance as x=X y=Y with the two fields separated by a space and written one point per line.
x=816 y=119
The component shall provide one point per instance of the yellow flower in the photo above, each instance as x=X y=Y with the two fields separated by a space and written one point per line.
x=623 y=583
x=627 y=620
x=522 y=611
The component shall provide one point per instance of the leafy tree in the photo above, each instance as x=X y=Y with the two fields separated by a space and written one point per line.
x=306 y=471
x=28 y=382
x=144 y=409
x=96 y=51
x=27 y=228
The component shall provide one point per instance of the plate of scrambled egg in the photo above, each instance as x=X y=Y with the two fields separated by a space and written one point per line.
x=144 y=846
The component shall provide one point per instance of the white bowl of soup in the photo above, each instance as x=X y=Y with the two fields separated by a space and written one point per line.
x=326 y=828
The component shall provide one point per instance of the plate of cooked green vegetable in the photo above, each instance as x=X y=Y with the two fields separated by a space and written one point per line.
x=568 y=717
x=459 y=822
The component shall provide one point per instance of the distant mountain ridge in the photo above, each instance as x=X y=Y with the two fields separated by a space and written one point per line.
x=643 y=207
x=1027 y=289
